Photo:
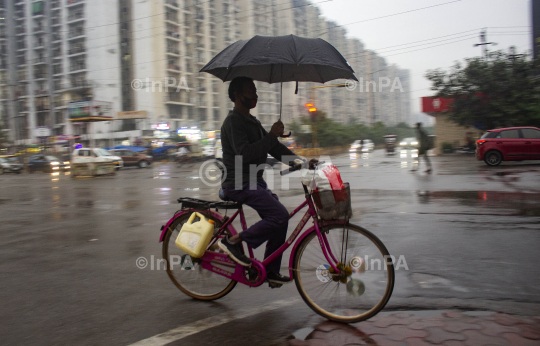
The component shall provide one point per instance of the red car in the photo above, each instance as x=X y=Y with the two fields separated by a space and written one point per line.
x=509 y=144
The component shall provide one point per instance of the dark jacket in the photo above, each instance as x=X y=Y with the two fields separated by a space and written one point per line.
x=245 y=137
x=424 y=141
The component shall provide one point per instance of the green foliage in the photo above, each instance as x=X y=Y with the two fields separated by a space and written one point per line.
x=331 y=133
x=488 y=93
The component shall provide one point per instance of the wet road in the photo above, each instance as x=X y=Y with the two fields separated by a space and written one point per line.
x=68 y=249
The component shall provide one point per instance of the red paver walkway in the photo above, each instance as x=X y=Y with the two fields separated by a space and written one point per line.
x=450 y=328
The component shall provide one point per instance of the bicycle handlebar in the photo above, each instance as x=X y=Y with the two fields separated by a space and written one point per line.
x=297 y=166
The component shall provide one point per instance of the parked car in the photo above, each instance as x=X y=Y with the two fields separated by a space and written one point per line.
x=46 y=163
x=409 y=143
x=509 y=144
x=94 y=161
x=362 y=146
x=10 y=164
x=132 y=158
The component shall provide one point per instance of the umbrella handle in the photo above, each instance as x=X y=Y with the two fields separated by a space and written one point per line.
x=285 y=135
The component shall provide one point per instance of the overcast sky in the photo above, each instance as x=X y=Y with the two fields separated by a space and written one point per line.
x=507 y=22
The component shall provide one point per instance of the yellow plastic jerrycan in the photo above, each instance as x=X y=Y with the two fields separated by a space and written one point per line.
x=194 y=237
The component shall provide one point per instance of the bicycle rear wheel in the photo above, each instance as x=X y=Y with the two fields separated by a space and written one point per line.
x=364 y=288
x=186 y=272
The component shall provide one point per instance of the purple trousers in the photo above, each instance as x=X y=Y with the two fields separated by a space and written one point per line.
x=274 y=223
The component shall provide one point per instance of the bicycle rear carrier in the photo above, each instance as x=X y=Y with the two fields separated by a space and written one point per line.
x=194 y=203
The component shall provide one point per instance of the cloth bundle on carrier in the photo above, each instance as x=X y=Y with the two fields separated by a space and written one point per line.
x=331 y=195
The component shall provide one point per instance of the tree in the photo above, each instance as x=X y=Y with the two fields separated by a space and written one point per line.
x=489 y=93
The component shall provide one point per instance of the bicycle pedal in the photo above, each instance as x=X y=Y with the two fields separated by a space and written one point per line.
x=274 y=285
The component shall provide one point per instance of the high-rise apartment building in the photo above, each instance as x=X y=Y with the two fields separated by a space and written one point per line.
x=56 y=52
x=145 y=56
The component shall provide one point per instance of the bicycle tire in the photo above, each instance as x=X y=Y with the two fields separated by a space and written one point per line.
x=203 y=293
x=348 y=313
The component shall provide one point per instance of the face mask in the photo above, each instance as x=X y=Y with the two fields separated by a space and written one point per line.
x=249 y=103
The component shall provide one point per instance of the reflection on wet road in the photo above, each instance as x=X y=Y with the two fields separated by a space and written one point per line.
x=468 y=234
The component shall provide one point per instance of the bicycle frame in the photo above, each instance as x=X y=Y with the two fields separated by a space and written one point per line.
x=239 y=272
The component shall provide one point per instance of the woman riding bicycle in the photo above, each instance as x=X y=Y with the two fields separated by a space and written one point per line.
x=243 y=138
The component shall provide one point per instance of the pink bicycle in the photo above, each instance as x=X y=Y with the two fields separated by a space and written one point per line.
x=342 y=271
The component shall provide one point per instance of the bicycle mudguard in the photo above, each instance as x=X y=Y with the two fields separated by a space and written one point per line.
x=304 y=235
x=218 y=216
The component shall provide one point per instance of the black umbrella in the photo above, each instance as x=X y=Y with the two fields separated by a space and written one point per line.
x=278 y=59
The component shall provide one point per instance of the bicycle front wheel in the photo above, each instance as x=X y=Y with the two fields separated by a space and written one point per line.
x=366 y=278
x=187 y=273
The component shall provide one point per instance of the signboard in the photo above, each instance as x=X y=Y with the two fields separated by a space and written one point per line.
x=42 y=132
x=190 y=134
x=86 y=110
x=536 y=28
x=132 y=115
x=435 y=104
x=162 y=126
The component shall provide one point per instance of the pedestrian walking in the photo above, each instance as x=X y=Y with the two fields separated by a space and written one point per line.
x=423 y=138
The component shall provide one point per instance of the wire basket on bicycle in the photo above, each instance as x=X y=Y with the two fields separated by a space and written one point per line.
x=331 y=195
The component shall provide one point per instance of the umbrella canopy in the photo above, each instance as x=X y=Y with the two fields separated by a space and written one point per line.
x=275 y=59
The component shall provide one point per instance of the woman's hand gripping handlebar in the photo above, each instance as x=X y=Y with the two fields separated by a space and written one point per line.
x=296 y=166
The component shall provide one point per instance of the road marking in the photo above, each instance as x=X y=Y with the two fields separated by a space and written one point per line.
x=210 y=322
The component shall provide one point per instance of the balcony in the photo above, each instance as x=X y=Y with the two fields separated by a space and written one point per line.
x=170 y=17
x=76 y=33
x=39 y=29
x=20 y=31
x=173 y=35
x=40 y=75
x=171 y=3
x=77 y=67
x=40 y=61
x=173 y=51
x=70 y=3
x=177 y=99
x=75 y=17
x=55 y=4
x=57 y=69
x=55 y=22
x=80 y=83
x=41 y=93
x=77 y=50
x=173 y=67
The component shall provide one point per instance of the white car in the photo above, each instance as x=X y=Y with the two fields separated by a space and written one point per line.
x=362 y=145
x=209 y=150
x=94 y=161
x=409 y=143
